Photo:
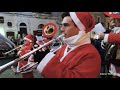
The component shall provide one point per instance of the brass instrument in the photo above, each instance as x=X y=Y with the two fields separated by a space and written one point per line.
x=12 y=50
x=11 y=63
x=49 y=30
x=29 y=66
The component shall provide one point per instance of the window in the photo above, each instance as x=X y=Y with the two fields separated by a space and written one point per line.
x=23 y=29
x=9 y=24
x=10 y=34
x=40 y=26
x=1 y=19
x=22 y=24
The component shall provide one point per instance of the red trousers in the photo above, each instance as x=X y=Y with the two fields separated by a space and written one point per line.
x=28 y=75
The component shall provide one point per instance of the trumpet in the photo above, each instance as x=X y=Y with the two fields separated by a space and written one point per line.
x=9 y=64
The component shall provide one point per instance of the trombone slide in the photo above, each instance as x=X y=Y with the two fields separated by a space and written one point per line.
x=12 y=50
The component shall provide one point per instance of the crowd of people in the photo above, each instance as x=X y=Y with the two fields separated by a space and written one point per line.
x=78 y=56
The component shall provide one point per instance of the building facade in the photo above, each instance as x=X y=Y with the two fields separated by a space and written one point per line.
x=18 y=24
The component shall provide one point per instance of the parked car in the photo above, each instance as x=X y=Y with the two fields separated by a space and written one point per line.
x=5 y=45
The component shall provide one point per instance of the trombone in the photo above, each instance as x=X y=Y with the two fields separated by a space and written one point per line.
x=11 y=63
x=12 y=50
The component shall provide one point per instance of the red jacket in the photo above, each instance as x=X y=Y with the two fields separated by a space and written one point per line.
x=24 y=50
x=82 y=62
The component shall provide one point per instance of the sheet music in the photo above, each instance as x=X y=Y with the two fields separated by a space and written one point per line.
x=98 y=28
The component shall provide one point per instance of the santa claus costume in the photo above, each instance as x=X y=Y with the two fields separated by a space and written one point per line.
x=25 y=49
x=78 y=58
x=111 y=38
x=114 y=38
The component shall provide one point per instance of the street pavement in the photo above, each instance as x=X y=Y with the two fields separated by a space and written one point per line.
x=10 y=74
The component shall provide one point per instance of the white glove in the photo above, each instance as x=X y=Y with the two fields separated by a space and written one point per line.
x=31 y=58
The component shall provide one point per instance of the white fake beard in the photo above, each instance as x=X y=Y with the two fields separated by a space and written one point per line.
x=71 y=41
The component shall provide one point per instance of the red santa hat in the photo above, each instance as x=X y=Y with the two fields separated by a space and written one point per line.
x=29 y=38
x=113 y=14
x=83 y=20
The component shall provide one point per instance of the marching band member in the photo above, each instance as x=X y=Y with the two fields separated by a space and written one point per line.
x=27 y=47
x=113 y=38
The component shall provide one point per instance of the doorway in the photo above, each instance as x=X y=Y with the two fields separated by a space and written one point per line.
x=23 y=30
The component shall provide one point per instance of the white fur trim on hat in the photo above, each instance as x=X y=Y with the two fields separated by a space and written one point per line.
x=27 y=39
x=77 y=21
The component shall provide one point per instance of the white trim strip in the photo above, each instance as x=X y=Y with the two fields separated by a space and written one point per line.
x=27 y=39
x=77 y=21
x=44 y=61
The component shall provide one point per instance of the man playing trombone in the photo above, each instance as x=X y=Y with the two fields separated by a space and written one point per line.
x=78 y=58
x=27 y=47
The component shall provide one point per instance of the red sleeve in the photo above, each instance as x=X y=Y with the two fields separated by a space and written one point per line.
x=114 y=38
x=25 y=50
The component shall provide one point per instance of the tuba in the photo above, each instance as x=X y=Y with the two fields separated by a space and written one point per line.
x=48 y=30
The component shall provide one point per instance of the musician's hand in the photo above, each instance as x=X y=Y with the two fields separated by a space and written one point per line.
x=20 y=46
x=101 y=35
x=31 y=58
x=14 y=70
